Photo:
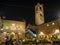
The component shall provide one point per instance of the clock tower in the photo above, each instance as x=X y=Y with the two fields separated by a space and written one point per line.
x=39 y=14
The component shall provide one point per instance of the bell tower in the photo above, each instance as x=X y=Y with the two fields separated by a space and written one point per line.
x=39 y=14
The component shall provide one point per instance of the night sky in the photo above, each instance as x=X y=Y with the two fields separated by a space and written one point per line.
x=24 y=9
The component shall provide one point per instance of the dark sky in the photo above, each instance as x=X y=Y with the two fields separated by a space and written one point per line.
x=24 y=9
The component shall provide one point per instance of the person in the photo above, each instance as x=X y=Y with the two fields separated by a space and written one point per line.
x=6 y=43
x=9 y=41
x=15 y=42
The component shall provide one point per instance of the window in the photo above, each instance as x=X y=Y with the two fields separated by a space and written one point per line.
x=40 y=14
x=40 y=8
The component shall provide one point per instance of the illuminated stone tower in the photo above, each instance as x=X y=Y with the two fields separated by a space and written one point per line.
x=39 y=14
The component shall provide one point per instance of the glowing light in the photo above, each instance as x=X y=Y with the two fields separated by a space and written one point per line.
x=41 y=33
x=56 y=31
x=51 y=36
x=5 y=32
x=1 y=28
x=13 y=33
x=35 y=35
x=47 y=24
x=13 y=24
x=23 y=40
x=53 y=23
x=19 y=33
x=13 y=27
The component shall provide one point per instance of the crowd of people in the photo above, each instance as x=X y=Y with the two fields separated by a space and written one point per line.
x=11 y=39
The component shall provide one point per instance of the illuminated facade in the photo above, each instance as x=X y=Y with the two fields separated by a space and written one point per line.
x=49 y=28
x=15 y=28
